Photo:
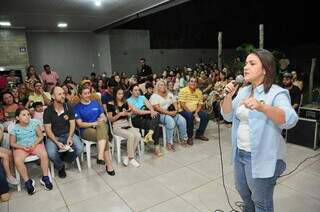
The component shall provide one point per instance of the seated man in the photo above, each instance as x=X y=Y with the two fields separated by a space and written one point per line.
x=191 y=101
x=295 y=92
x=39 y=95
x=59 y=123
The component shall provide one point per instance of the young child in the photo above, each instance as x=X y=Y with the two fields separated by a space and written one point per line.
x=38 y=113
x=26 y=139
x=7 y=161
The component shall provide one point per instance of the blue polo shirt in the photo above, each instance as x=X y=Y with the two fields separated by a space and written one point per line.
x=88 y=113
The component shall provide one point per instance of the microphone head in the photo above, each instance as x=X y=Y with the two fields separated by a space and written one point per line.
x=239 y=79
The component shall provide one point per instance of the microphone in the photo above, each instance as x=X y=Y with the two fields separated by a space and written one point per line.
x=239 y=80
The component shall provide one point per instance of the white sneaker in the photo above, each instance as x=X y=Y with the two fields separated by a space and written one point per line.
x=12 y=181
x=125 y=161
x=134 y=163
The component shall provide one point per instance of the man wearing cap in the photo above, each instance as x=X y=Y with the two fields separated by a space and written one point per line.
x=295 y=93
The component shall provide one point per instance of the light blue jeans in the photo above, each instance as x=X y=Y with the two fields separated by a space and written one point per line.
x=256 y=193
x=170 y=123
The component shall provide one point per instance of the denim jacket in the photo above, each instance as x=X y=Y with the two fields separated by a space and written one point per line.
x=267 y=143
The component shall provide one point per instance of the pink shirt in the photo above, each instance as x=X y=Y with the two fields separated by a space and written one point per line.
x=50 y=79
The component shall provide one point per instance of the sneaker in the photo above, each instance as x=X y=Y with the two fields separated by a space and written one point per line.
x=12 y=180
x=62 y=172
x=125 y=161
x=29 y=184
x=134 y=163
x=45 y=181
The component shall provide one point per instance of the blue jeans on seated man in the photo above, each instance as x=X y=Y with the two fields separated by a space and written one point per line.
x=57 y=157
x=190 y=123
x=4 y=187
x=256 y=193
x=170 y=123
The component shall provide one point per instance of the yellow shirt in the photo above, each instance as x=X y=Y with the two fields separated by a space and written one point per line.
x=191 y=99
x=39 y=98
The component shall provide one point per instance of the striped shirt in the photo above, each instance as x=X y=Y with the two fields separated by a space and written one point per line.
x=190 y=98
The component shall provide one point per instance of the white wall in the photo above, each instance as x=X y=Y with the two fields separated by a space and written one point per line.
x=72 y=54
x=80 y=53
x=127 y=46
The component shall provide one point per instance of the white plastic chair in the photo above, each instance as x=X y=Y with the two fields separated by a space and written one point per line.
x=52 y=167
x=164 y=135
x=87 y=149
x=116 y=140
x=30 y=158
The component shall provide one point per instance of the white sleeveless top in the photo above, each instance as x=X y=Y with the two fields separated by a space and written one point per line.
x=243 y=134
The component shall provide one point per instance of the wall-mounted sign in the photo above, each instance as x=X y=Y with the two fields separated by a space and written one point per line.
x=23 y=49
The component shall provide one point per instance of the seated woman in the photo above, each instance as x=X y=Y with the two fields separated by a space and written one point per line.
x=90 y=117
x=118 y=114
x=7 y=161
x=4 y=187
x=165 y=103
x=145 y=117
x=26 y=139
x=68 y=94
x=9 y=109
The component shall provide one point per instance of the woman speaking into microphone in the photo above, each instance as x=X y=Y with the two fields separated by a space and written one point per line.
x=259 y=112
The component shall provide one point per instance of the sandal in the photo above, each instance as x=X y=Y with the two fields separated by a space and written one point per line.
x=157 y=151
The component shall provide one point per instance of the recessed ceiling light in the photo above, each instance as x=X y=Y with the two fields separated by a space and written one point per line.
x=1 y=68
x=62 y=25
x=5 y=23
x=97 y=3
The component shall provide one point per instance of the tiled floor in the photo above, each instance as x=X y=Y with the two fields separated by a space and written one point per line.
x=188 y=180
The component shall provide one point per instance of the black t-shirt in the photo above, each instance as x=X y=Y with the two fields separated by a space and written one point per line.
x=295 y=95
x=144 y=71
x=59 y=123
x=116 y=110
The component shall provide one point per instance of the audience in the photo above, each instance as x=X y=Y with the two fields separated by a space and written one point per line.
x=119 y=113
x=26 y=139
x=296 y=81
x=39 y=95
x=31 y=78
x=50 y=78
x=7 y=161
x=4 y=187
x=62 y=144
x=191 y=101
x=295 y=92
x=145 y=117
x=90 y=117
x=135 y=106
x=166 y=104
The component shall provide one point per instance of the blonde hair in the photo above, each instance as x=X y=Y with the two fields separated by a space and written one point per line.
x=156 y=88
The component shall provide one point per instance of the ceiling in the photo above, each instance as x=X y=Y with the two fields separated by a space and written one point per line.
x=81 y=15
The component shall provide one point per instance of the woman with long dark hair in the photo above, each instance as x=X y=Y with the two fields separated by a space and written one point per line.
x=259 y=112
x=31 y=78
x=118 y=114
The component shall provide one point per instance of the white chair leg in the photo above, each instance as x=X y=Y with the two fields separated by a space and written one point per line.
x=78 y=164
x=178 y=135
x=118 y=146
x=52 y=170
x=88 y=150
x=141 y=149
x=18 y=179
x=164 y=136
x=82 y=156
